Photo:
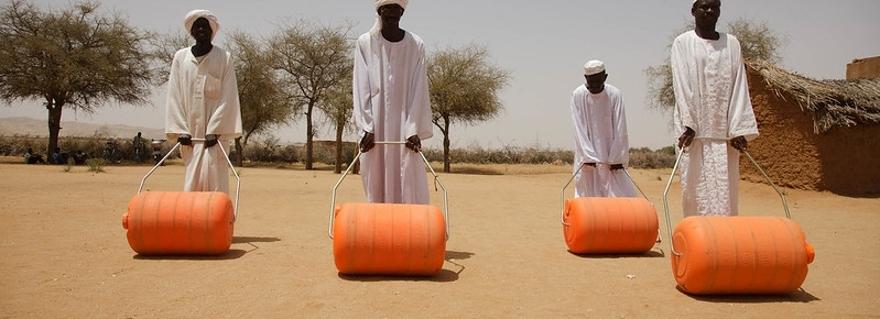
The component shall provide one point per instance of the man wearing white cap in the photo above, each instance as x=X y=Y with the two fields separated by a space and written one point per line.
x=713 y=114
x=202 y=108
x=391 y=104
x=602 y=146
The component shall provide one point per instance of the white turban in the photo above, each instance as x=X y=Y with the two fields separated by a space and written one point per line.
x=377 y=27
x=194 y=15
x=401 y=3
x=594 y=67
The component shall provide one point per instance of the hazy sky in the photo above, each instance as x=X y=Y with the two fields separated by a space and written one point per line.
x=542 y=43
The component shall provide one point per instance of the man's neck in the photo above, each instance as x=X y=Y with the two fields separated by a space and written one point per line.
x=597 y=91
x=707 y=33
x=393 y=33
x=201 y=49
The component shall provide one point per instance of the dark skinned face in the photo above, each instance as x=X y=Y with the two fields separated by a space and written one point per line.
x=201 y=31
x=390 y=15
x=596 y=82
x=706 y=13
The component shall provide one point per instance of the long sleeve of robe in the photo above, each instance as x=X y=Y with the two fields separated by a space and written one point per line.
x=712 y=98
x=601 y=138
x=203 y=99
x=391 y=100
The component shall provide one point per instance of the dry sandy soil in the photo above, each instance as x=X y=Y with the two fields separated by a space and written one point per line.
x=63 y=253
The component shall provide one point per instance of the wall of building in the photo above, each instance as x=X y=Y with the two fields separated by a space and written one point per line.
x=844 y=160
x=786 y=148
x=851 y=160
x=868 y=68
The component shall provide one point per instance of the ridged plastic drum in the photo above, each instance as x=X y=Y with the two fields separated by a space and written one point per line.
x=609 y=225
x=179 y=223
x=740 y=255
x=389 y=239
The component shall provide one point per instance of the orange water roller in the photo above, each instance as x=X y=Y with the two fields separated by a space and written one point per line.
x=388 y=239
x=393 y=239
x=609 y=225
x=739 y=255
x=181 y=223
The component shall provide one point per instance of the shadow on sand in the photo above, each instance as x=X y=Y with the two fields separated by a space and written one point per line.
x=229 y=255
x=445 y=275
x=799 y=296
x=650 y=254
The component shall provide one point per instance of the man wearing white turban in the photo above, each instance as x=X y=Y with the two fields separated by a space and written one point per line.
x=601 y=142
x=202 y=108
x=713 y=114
x=391 y=103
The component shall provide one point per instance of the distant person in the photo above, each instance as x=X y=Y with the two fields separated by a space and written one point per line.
x=111 y=151
x=31 y=158
x=79 y=157
x=137 y=146
x=602 y=145
x=391 y=104
x=59 y=158
x=202 y=108
x=713 y=113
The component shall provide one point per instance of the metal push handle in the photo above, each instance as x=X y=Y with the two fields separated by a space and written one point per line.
x=570 y=180
x=770 y=181
x=666 y=203
x=672 y=176
x=198 y=140
x=351 y=165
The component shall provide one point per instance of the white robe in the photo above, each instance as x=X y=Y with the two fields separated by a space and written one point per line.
x=390 y=95
x=712 y=98
x=601 y=137
x=202 y=100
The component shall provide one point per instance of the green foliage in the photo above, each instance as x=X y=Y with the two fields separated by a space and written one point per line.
x=164 y=49
x=71 y=58
x=465 y=85
x=69 y=165
x=96 y=165
x=264 y=103
x=93 y=146
x=464 y=89
x=312 y=62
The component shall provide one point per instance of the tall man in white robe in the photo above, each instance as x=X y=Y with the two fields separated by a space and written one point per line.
x=202 y=109
x=391 y=104
x=713 y=113
x=601 y=141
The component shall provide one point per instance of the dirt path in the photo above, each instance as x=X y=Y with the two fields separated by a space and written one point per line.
x=64 y=254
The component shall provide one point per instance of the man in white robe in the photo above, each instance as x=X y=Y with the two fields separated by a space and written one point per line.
x=202 y=108
x=601 y=142
x=713 y=113
x=391 y=104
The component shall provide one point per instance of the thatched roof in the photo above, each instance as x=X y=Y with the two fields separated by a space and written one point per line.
x=835 y=103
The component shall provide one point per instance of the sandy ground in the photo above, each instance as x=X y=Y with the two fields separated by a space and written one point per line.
x=64 y=254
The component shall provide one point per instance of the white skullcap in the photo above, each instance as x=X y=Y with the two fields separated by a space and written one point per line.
x=594 y=67
x=194 y=15
x=401 y=3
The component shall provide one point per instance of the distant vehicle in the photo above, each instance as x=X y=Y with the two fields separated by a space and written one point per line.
x=157 y=151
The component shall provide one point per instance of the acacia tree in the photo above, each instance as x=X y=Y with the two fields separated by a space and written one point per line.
x=758 y=42
x=71 y=58
x=338 y=107
x=312 y=60
x=164 y=48
x=264 y=105
x=464 y=89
